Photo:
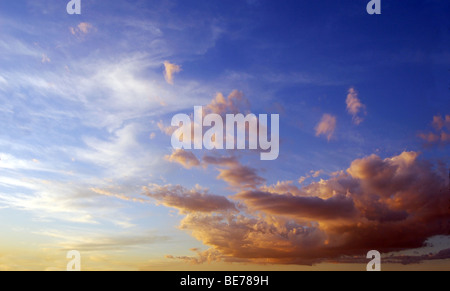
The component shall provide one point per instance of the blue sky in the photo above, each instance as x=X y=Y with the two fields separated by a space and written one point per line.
x=86 y=109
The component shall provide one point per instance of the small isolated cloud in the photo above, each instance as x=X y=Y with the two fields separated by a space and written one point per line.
x=85 y=27
x=439 y=122
x=326 y=126
x=184 y=158
x=187 y=201
x=441 y=133
x=355 y=107
x=169 y=71
x=45 y=59
x=82 y=29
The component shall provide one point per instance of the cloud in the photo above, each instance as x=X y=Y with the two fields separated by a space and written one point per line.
x=120 y=155
x=326 y=126
x=82 y=29
x=184 y=158
x=234 y=173
x=439 y=123
x=85 y=27
x=314 y=208
x=169 y=71
x=354 y=106
x=45 y=59
x=232 y=104
x=230 y=169
x=186 y=201
x=115 y=195
x=96 y=242
x=241 y=177
x=441 y=135
x=390 y=204
x=221 y=161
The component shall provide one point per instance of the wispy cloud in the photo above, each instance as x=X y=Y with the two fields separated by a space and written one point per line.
x=326 y=126
x=355 y=107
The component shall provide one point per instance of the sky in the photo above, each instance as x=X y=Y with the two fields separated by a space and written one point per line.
x=87 y=163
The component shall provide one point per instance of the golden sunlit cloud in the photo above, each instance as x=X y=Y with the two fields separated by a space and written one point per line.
x=170 y=70
x=395 y=204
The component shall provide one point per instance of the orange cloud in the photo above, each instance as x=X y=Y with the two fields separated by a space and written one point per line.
x=234 y=173
x=389 y=204
x=184 y=158
x=439 y=123
x=233 y=104
x=169 y=71
x=326 y=126
x=82 y=28
x=440 y=136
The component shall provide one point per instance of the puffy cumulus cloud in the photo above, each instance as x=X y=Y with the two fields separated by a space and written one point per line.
x=186 y=201
x=326 y=126
x=441 y=135
x=170 y=70
x=392 y=204
x=283 y=187
x=233 y=104
x=355 y=107
x=239 y=238
x=185 y=158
